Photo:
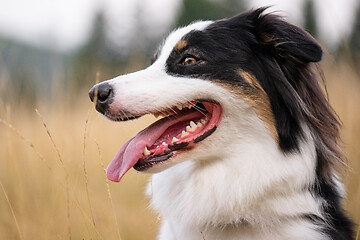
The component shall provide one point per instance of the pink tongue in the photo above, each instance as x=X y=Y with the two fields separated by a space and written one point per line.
x=132 y=150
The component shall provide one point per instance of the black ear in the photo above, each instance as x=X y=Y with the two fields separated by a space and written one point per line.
x=284 y=39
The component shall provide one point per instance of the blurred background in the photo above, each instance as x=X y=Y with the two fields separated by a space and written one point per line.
x=54 y=146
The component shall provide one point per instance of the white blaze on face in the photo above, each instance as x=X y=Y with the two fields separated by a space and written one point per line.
x=153 y=87
x=174 y=38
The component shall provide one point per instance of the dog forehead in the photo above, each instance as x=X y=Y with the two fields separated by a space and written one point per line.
x=174 y=39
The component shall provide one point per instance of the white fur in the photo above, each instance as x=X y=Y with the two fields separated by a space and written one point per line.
x=237 y=183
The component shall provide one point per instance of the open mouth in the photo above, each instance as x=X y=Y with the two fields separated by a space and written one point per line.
x=182 y=127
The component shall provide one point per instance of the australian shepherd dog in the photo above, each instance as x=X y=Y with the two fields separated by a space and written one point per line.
x=245 y=146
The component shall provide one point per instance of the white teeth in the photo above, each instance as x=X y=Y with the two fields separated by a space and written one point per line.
x=146 y=152
x=174 y=140
x=203 y=121
x=184 y=134
x=169 y=112
x=199 y=124
x=164 y=143
x=162 y=114
x=187 y=105
x=192 y=127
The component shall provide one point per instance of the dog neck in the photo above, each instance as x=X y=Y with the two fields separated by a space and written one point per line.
x=296 y=229
x=240 y=192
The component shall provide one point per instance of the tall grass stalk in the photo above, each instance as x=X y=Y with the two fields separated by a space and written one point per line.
x=12 y=211
x=202 y=234
x=30 y=144
x=67 y=183
x=65 y=170
x=86 y=217
x=85 y=172
x=108 y=190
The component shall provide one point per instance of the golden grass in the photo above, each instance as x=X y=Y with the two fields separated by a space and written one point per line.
x=34 y=175
x=52 y=168
x=12 y=210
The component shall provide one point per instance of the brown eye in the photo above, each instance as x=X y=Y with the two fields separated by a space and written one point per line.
x=189 y=60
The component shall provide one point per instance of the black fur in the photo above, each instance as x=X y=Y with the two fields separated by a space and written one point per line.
x=336 y=225
x=265 y=46
x=281 y=57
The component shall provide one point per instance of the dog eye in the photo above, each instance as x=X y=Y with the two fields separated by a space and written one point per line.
x=189 y=61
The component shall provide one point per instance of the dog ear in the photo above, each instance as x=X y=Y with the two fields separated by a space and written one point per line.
x=284 y=39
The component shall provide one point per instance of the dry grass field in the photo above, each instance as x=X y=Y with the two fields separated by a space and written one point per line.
x=52 y=181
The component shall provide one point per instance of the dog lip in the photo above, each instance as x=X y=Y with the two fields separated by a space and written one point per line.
x=154 y=155
x=132 y=150
x=151 y=160
x=144 y=165
x=124 y=115
x=121 y=117
x=165 y=136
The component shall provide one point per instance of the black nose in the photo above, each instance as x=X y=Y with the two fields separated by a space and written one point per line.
x=102 y=94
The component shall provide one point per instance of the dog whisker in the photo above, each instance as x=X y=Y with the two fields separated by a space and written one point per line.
x=124 y=114
x=199 y=110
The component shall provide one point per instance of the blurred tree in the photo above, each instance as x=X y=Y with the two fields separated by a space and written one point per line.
x=101 y=55
x=208 y=10
x=27 y=72
x=96 y=56
x=354 y=39
x=86 y=60
x=310 y=24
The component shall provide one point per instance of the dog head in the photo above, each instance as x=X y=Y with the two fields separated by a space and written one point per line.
x=227 y=89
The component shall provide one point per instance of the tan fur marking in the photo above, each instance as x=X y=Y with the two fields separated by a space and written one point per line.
x=256 y=98
x=268 y=38
x=251 y=80
x=180 y=45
